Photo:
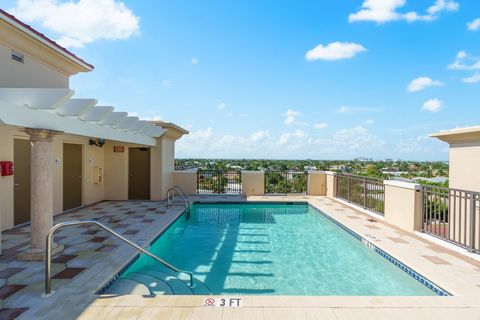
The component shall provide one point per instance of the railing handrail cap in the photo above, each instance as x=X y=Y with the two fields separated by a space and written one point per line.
x=402 y=184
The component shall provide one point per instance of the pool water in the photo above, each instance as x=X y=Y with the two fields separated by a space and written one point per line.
x=277 y=249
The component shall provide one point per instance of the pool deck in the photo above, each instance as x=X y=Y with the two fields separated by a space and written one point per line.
x=91 y=257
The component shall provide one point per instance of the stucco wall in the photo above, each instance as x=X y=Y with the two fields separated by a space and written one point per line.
x=464 y=166
x=162 y=168
x=317 y=183
x=403 y=205
x=116 y=171
x=187 y=180
x=92 y=156
x=30 y=74
x=253 y=183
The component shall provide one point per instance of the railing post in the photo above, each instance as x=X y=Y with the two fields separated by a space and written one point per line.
x=364 y=192
x=472 y=221
x=348 y=192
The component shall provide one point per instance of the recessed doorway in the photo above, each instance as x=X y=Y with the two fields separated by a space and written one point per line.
x=72 y=176
x=139 y=173
x=21 y=181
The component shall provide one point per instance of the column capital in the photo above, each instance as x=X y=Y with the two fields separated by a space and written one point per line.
x=41 y=134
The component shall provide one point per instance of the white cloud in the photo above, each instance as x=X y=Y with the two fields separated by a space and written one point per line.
x=291 y=116
x=320 y=125
x=194 y=60
x=350 y=141
x=288 y=137
x=464 y=61
x=382 y=11
x=259 y=135
x=432 y=105
x=474 y=25
x=443 y=5
x=421 y=83
x=345 y=109
x=296 y=144
x=472 y=79
x=334 y=51
x=420 y=145
x=221 y=105
x=80 y=22
x=166 y=83
x=369 y=121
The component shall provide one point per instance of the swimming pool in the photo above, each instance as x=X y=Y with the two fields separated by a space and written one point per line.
x=275 y=249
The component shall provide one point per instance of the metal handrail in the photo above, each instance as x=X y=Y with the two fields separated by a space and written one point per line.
x=48 y=260
x=171 y=195
x=180 y=190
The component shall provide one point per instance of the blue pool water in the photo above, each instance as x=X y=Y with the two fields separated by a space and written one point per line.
x=277 y=249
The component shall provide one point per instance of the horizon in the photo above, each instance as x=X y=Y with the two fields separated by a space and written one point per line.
x=285 y=81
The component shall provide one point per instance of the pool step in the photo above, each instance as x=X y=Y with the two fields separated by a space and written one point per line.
x=156 y=285
x=157 y=280
x=128 y=286
x=177 y=280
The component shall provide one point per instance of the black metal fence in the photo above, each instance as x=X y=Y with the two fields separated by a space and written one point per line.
x=214 y=181
x=283 y=182
x=453 y=215
x=366 y=192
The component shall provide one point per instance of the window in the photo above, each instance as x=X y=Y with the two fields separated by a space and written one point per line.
x=17 y=56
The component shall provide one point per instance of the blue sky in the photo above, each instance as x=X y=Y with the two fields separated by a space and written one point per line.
x=243 y=78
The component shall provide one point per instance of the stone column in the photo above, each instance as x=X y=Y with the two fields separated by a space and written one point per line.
x=41 y=193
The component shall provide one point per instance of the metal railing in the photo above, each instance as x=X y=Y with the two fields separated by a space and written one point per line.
x=215 y=181
x=48 y=258
x=366 y=192
x=283 y=182
x=452 y=215
x=171 y=197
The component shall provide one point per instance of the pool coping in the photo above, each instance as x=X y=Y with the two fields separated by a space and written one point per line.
x=439 y=291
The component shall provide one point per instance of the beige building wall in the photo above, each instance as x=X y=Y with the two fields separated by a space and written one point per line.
x=187 y=180
x=331 y=183
x=253 y=183
x=31 y=73
x=403 y=206
x=317 y=183
x=92 y=156
x=464 y=172
x=116 y=171
x=162 y=168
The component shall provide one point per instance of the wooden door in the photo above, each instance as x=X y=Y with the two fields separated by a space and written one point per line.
x=139 y=173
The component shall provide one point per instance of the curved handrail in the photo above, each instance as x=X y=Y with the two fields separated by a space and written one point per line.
x=171 y=195
x=48 y=259
x=180 y=190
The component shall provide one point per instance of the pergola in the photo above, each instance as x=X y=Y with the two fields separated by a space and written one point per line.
x=46 y=112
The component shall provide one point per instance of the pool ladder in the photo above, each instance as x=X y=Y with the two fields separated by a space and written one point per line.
x=171 y=197
x=48 y=260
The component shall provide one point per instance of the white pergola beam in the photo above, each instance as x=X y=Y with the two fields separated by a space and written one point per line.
x=114 y=118
x=24 y=117
x=36 y=98
x=126 y=123
x=76 y=107
x=96 y=114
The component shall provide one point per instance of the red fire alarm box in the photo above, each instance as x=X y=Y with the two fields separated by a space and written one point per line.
x=6 y=168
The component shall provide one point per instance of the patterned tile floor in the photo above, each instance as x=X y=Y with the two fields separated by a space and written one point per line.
x=84 y=246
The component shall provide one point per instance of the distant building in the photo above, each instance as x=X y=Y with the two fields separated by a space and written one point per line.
x=363 y=159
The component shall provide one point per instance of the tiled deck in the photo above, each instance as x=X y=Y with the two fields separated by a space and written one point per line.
x=91 y=257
